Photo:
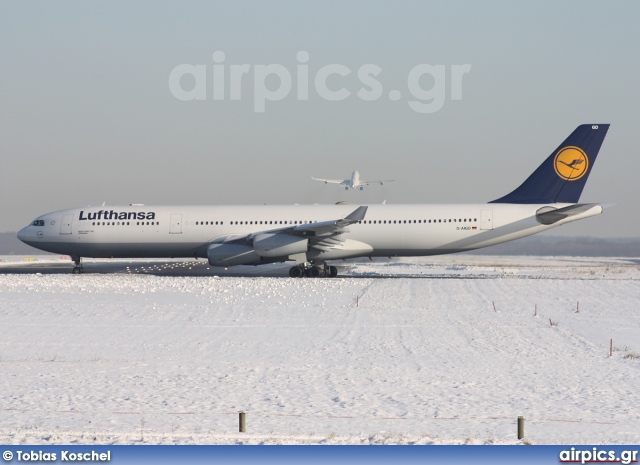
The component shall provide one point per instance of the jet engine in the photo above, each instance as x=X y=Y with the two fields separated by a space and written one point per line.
x=279 y=245
x=231 y=254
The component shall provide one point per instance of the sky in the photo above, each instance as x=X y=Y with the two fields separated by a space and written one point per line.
x=468 y=98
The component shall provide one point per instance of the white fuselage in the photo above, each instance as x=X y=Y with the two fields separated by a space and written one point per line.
x=355 y=180
x=187 y=231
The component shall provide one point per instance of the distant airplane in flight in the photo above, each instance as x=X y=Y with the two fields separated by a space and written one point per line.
x=352 y=183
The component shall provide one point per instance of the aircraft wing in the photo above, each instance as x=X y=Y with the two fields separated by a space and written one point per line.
x=322 y=235
x=329 y=227
x=332 y=181
x=381 y=182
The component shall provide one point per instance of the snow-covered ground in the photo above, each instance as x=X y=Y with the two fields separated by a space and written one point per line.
x=434 y=350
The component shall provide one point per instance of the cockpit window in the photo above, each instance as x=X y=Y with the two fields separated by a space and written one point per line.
x=38 y=223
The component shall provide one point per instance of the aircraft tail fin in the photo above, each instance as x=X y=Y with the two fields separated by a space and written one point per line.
x=562 y=176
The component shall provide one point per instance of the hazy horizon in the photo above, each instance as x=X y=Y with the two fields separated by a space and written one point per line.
x=87 y=113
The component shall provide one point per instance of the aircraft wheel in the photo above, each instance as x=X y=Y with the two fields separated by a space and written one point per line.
x=333 y=271
x=77 y=270
x=295 y=272
x=316 y=272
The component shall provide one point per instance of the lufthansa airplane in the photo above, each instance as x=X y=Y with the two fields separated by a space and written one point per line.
x=353 y=182
x=312 y=235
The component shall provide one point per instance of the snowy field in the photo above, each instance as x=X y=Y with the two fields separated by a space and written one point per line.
x=442 y=350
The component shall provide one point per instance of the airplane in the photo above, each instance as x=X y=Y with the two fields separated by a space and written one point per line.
x=310 y=236
x=353 y=182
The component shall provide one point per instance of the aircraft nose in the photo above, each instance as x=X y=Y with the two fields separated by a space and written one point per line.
x=22 y=235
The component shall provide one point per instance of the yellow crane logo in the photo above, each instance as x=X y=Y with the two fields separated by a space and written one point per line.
x=571 y=163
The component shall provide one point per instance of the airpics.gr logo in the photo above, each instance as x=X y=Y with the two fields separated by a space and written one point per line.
x=571 y=163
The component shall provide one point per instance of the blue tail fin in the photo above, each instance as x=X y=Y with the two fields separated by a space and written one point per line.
x=563 y=175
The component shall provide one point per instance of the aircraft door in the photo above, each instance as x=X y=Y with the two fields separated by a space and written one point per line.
x=65 y=225
x=486 y=219
x=175 y=225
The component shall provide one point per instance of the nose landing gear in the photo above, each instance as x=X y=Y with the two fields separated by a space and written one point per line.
x=78 y=269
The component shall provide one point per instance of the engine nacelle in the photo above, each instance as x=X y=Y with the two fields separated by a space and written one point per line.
x=231 y=254
x=279 y=245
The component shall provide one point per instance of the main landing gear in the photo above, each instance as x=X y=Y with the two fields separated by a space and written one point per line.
x=313 y=271
x=78 y=269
